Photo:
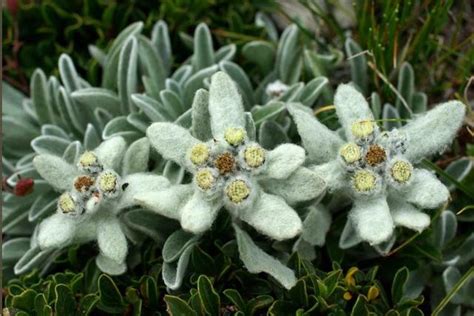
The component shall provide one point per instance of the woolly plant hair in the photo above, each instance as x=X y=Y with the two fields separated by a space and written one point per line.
x=377 y=169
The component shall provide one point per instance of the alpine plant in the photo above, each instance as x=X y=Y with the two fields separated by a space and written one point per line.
x=232 y=171
x=94 y=192
x=378 y=169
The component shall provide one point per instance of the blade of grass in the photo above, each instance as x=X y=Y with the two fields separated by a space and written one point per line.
x=469 y=274
x=449 y=178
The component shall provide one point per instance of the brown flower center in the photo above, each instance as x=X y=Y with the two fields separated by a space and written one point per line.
x=224 y=163
x=375 y=155
x=83 y=183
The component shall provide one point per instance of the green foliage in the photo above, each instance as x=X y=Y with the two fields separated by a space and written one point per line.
x=35 y=33
x=228 y=289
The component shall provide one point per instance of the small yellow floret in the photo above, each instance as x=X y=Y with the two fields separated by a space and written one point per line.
x=199 y=154
x=373 y=293
x=108 y=182
x=254 y=156
x=401 y=171
x=237 y=191
x=350 y=152
x=362 y=129
x=88 y=159
x=347 y=296
x=364 y=181
x=234 y=136
x=205 y=179
x=66 y=203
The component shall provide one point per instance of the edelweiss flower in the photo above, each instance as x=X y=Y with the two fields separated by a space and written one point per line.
x=276 y=89
x=94 y=194
x=233 y=171
x=376 y=168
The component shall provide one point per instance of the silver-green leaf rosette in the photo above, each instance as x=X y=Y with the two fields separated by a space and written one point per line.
x=232 y=171
x=96 y=189
x=376 y=168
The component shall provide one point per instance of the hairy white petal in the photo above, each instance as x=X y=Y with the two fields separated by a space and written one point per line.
x=199 y=213
x=351 y=107
x=372 y=220
x=225 y=105
x=302 y=185
x=425 y=190
x=56 y=231
x=433 y=131
x=173 y=142
x=56 y=171
x=271 y=216
x=320 y=142
x=167 y=202
x=406 y=215
x=110 y=153
x=138 y=183
x=284 y=160
x=111 y=239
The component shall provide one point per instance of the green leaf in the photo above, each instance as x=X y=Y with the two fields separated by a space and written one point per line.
x=127 y=74
x=49 y=145
x=391 y=117
x=202 y=262
x=398 y=285
x=458 y=170
x=119 y=126
x=65 y=304
x=177 y=306
x=25 y=300
x=256 y=260
x=172 y=103
x=313 y=90
x=358 y=64
x=131 y=30
x=271 y=134
x=444 y=229
x=176 y=243
x=150 y=292
x=33 y=258
x=173 y=272
x=41 y=306
x=88 y=303
x=260 y=53
x=406 y=87
x=161 y=40
x=94 y=98
x=69 y=75
x=40 y=97
x=209 y=297
x=236 y=299
x=288 y=57
x=150 y=108
x=151 y=63
x=360 y=307
x=149 y=223
x=299 y=294
x=267 y=112
x=243 y=82
x=194 y=83
x=226 y=53
x=203 y=50
x=13 y=249
x=91 y=138
x=332 y=280
x=44 y=205
x=111 y=301
x=258 y=303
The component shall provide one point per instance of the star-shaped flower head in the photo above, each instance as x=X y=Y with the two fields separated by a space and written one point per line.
x=375 y=167
x=95 y=189
x=231 y=170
